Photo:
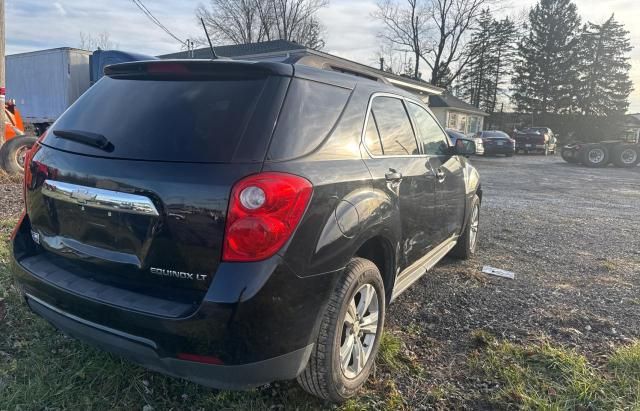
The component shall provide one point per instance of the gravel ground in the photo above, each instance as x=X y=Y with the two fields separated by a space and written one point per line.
x=571 y=236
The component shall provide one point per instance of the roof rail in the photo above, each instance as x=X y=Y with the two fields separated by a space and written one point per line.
x=344 y=67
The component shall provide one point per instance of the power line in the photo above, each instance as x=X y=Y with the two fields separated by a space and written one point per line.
x=157 y=22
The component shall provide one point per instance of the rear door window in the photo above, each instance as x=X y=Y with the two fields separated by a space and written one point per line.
x=174 y=120
x=394 y=127
x=430 y=134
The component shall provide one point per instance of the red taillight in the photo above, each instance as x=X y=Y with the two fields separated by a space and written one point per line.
x=205 y=359
x=264 y=210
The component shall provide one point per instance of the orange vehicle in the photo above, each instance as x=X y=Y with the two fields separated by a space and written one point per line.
x=16 y=144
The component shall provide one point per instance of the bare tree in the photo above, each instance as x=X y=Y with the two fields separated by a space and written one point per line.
x=236 y=21
x=101 y=41
x=435 y=31
x=405 y=27
x=250 y=21
x=294 y=20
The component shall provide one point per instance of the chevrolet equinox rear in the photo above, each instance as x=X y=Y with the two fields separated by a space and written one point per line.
x=238 y=223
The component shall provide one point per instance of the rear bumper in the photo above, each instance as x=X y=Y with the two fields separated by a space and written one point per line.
x=259 y=320
x=142 y=351
x=499 y=149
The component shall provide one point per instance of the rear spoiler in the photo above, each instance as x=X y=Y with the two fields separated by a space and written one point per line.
x=196 y=69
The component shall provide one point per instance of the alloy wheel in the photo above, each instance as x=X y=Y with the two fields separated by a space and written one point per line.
x=474 y=224
x=359 y=331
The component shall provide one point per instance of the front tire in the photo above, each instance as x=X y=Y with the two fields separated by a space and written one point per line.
x=468 y=242
x=350 y=333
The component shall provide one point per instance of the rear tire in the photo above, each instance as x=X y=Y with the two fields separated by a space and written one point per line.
x=594 y=156
x=626 y=156
x=326 y=375
x=468 y=242
x=12 y=153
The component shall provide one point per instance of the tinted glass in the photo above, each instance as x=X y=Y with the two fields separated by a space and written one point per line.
x=310 y=112
x=394 y=127
x=372 y=138
x=434 y=140
x=195 y=121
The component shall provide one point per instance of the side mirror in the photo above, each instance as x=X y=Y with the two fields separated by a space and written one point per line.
x=465 y=147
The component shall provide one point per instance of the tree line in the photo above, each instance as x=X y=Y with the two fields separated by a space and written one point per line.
x=545 y=61
x=548 y=61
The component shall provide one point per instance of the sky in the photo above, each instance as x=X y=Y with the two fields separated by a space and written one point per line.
x=350 y=31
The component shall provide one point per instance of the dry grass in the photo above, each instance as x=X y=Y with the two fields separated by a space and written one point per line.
x=6 y=178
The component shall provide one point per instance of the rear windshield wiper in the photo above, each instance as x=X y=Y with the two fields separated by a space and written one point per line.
x=84 y=137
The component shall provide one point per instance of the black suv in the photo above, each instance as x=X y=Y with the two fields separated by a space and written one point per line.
x=236 y=223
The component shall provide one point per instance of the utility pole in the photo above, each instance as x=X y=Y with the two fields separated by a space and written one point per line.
x=3 y=84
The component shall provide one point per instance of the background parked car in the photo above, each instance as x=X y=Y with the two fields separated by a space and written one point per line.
x=497 y=142
x=455 y=135
x=536 y=139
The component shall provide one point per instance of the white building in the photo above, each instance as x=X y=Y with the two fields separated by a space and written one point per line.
x=456 y=114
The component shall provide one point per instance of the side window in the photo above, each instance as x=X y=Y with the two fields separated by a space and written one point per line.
x=433 y=139
x=372 y=137
x=394 y=127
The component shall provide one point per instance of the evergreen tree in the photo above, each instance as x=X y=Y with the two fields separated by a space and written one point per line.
x=546 y=75
x=475 y=81
x=605 y=85
x=491 y=49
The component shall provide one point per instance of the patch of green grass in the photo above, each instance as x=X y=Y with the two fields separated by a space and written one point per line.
x=544 y=376
x=390 y=353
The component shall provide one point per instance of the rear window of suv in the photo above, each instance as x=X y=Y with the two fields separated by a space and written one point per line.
x=173 y=120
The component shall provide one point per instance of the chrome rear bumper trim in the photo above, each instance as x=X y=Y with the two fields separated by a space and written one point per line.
x=99 y=198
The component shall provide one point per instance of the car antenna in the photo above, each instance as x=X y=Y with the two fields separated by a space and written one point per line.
x=213 y=50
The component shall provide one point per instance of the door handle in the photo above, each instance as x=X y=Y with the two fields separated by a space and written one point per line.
x=440 y=175
x=393 y=175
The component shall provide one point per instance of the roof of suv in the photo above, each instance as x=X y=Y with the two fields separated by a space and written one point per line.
x=310 y=68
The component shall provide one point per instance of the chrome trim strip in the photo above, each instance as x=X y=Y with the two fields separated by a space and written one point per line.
x=99 y=198
x=90 y=324
x=413 y=273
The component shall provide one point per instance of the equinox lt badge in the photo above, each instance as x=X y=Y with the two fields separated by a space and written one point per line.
x=178 y=274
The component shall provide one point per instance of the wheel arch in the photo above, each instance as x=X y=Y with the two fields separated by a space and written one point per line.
x=380 y=251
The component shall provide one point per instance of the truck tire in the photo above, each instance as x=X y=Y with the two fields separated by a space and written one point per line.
x=594 y=155
x=13 y=152
x=569 y=155
x=326 y=375
x=626 y=155
x=468 y=241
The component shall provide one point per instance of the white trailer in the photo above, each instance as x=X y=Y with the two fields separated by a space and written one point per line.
x=45 y=83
